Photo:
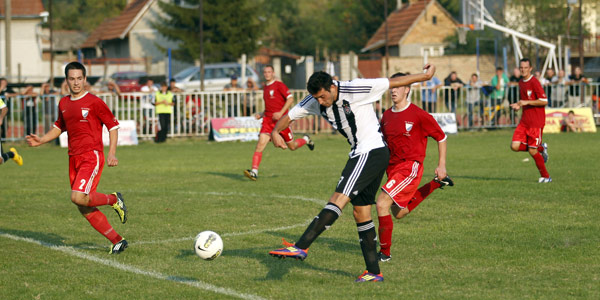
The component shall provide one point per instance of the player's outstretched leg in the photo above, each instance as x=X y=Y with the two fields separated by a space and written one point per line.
x=118 y=247
x=120 y=207
x=12 y=154
x=309 y=142
x=368 y=244
x=98 y=220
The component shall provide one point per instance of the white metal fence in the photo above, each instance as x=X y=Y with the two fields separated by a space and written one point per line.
x=474 y=108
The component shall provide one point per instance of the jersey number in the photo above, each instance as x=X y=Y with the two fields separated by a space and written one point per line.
x=82 y=184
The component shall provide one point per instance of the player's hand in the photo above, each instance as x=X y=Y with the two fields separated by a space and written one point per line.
x=278 y=140
x=258 y=116
x=277 y=115
x=33 y=140
x=440 y=172
x=112 y=160
x=429 y=70
x=516 y=106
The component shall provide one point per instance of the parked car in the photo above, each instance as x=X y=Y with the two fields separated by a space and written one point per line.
x=216 y=76
x=130 y=81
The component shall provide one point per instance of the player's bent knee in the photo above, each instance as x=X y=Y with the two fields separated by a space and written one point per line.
x=398 y=212
x=80 y=199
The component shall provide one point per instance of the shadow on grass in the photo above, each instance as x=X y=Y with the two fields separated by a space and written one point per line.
x=50 y=239
x=237 y=176
x=454 y=177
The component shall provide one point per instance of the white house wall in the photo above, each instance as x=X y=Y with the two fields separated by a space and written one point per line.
x=25 y=50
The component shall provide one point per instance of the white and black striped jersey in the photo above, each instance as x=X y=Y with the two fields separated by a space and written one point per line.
x=352 y=114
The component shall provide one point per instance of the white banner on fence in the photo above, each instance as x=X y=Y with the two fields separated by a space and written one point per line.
x=234 y=129
x=447 y=121
x=127 y=135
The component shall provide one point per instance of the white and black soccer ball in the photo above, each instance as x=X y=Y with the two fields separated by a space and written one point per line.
x=208 y=245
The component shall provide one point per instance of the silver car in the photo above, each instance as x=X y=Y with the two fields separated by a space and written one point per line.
x=216 y=76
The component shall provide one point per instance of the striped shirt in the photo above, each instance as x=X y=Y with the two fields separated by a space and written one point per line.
x=352 y=114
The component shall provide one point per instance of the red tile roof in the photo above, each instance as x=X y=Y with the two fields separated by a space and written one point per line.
x=119 y=26
x=23 y=8
x=399 y=22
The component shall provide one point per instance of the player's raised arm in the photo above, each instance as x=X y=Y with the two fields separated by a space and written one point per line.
x=410 y=79
x=34 y=140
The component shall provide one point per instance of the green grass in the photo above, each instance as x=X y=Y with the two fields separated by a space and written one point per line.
x=497 y=234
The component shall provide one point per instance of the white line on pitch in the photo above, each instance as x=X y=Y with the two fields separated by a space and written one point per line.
x=224 y=234
x=117 y=265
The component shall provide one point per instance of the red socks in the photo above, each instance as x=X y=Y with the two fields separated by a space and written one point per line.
x=421 y=194
x=386 y=227
x=539 y=163
x=256 y=158
x=300 y=143
x=98 y=220
x=523 y=147
x=99 y=199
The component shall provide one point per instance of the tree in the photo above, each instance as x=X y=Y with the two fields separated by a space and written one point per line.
x=231 y=28
x=83 y=15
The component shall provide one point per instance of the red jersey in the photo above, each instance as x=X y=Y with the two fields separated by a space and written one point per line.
x=82 y=119
x=533 y=116
x=275 y=95
x=406 y=133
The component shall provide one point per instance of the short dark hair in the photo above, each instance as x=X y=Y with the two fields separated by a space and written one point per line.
x=74 y=65
x=172 y=80
x=499 y=69
x=269 y=66
x=317 y=81
x=475 y=74
x=525 y=59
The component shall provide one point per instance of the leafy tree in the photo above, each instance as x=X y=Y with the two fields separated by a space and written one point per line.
x=84 y=15
x=230 y=28
x=452 y=6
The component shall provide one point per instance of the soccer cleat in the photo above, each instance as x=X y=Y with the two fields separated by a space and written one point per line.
x=118 y=247
x=545 y=180
x=545 y=152
x=383 y=257
x=120 y=207
x=366 y=276
x=250 y=174
x=447 y=181
x=17 y=158
x=290 y=250
x=309 y=143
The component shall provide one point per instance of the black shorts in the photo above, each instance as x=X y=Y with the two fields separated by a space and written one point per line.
x=361 y=177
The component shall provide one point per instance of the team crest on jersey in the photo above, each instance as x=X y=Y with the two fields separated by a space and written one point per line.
x=85 y=112
x=346 y=108
x=408 y=126
x=271 y=93
x=529 y=93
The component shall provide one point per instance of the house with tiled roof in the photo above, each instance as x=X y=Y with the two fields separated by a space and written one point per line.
x=130 y=37
x=414 y=28
x=25 y=37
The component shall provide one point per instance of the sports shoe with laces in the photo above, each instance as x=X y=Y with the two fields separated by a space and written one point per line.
x=545 y=180
x=383 y=257
x=366 y=276
x=309 y=143
x=545 y=152
x=447 y=181
x=17 y=158
x=250 y=174
x=120 y=207
x=290 y=250
x=118 y=247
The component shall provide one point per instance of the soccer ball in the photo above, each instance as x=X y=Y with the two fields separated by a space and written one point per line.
x=208 y=245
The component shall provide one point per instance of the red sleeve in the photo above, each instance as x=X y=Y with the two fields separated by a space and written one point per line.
x=539 y=91
x=283 y=89
x=60 y=122
x=105 y=115
x=431 y=127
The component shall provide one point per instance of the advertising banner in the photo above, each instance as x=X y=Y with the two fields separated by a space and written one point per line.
x=447 y=121
x=557 y=117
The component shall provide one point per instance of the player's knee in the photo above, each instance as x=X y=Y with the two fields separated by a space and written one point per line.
x=79 y=199
x=398 y=212
x=383 y=203
x=514 y=147
x=292 y=146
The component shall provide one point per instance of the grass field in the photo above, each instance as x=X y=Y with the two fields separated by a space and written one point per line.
x=497 y=234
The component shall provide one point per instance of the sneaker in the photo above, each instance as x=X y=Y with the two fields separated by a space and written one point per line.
x=545 y=152
x=366 y=276
x=545 y=180
x=120 y=207
x=447 y=181
x=250 y=174
x=18 y=158
x=383 y=257
x=309 y=143
x=118 y=247
x=290 y=250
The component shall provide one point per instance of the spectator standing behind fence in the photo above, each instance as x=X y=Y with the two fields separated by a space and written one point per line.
x=548 y=82
x=429 y=94
x=5 y=93
x=249 y=97
x=576 y=82
x=164 y=110
x=451 y=95
x=499 y=83
x=49 y=97
x=175 y=90
x=146 y=103
x=513 y=91
x=232 y=86
x=29 y=106
x=559 y=91
x=474 y=97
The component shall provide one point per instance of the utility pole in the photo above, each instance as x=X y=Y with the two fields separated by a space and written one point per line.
x=51 y=46
x=581 y=61
x=8 y=17
x=201 y=33
x=387 y=54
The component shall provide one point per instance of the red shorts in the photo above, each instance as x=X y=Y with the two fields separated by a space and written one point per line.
x=531 y=137
x=268 y=124
x=85 y=170
x=403 y=181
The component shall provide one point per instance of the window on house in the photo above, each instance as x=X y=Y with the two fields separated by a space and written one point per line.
x=434 y=19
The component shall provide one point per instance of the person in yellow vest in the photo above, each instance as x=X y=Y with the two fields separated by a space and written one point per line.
x=164 y=110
